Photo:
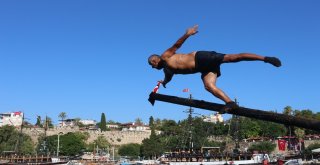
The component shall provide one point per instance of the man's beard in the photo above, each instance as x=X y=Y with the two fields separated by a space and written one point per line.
x=161 y=64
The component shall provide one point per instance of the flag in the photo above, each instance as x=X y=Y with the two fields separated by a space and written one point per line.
x=17 y=113
x=185 y=90
x=155 y=89
x=282 y=145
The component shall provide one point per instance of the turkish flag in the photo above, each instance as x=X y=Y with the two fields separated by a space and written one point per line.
x=155 y=89
x=185 y=90
x=282 y=145
x=17 y=113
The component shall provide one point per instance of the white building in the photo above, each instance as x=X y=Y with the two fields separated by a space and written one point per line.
x=11 y=118
x=113 y=126
x=88 y=122
x=135 y=127
x=67 y=123
x=213 y=118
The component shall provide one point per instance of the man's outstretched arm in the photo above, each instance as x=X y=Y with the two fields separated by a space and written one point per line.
x=171 y=51
x=167 y=77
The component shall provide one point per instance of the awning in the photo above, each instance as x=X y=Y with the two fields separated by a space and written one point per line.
x=316 y=150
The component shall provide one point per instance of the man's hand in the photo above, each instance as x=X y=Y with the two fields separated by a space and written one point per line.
x=163 y=84
x=193 y=30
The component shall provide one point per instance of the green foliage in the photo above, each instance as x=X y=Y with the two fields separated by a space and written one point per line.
x=218 y=129
x=12 y=140
x=151 y=122
x=101 y=142
x=131 y=150
x=103 y=123
x=138 y=121
x=287 y=110
x=263 y=147
x=47 y=123
x=70 y=144
x=305 y=113
x=8 y=138
x=317 y=116
x=82 y=135
x=62 y=115
x=78 y=123
x=271 y=130
x=38 y=123
x=152 y=147
x=177 y=136
x=312 y=147
x=249 y=128
x=27 y=146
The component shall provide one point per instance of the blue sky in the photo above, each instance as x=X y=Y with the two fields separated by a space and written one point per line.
x=88 y=57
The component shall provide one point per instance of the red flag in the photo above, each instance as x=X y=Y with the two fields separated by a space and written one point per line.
x=282 y=145
x=17 y=113
x=155 y=89
x=185 y=90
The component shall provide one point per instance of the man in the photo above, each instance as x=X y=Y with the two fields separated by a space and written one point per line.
x=206 y=62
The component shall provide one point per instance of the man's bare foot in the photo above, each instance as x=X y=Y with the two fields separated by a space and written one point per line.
x=229 y=107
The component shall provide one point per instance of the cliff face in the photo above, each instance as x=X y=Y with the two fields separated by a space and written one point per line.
x=113 y=137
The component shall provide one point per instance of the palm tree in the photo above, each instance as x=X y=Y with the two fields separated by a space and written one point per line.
x=62 y=115
x=300 y=135
x=287 y=110
x=138 y=121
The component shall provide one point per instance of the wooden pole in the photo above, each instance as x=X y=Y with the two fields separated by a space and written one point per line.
x=241 y=111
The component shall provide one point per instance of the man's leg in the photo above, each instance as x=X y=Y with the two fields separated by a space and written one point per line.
x=251 y=57
x=209 y=82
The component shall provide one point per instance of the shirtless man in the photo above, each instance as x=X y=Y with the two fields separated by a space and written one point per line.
x=206 y=62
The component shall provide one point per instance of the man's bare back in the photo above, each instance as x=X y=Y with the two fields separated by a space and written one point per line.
x=181 y=63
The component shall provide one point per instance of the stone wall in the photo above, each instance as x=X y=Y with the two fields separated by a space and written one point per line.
x=113 y=137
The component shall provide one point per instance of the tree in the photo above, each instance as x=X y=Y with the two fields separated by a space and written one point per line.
x=249 y=128
x=101 y=142
x=77 y=122
x=157 y=123
x=265 y=146
x=138 y=121
x=317 y=116
x=103 y=123
x=38 y=123
x=271 y=129
x=9 y=137
x=152 y=146
x=62 y=115
x=47 y=123
x=287 y=110
x=219 y=129
x=71 y=144
x=311 y=147
x=151 y=122
x=151 y=125
x=132 y=150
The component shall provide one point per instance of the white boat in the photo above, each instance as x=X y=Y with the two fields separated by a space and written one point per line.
x=256 y=159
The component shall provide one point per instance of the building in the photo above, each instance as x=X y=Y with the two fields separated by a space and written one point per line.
x=11 y=118
x=213 y=118
x=74 y=122
x=88 y=122
x=113 y=126
x=134 y=127
x=67 y=123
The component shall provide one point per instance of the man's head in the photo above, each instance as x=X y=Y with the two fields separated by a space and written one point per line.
x=156 y=62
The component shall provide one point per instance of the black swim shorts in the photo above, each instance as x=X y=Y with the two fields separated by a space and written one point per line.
x=208 y=61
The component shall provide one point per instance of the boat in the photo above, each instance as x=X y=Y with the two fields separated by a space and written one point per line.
x=256 y=159
x=33 y=161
